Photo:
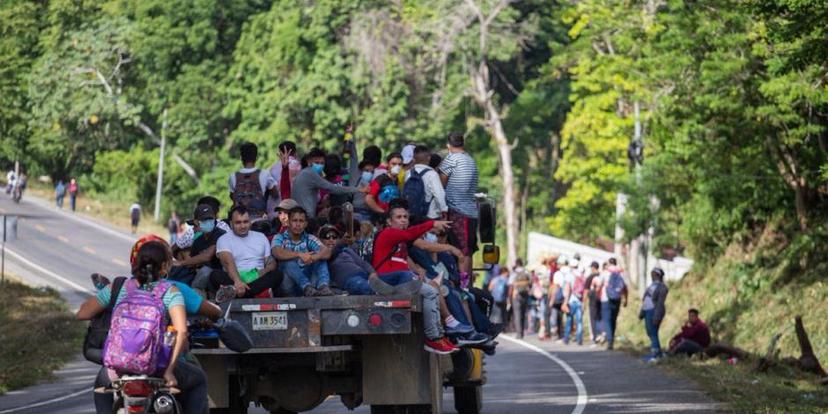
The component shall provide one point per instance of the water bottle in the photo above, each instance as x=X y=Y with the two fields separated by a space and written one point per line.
x=169 y=337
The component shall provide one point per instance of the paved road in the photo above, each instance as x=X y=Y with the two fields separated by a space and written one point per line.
x=526 y=377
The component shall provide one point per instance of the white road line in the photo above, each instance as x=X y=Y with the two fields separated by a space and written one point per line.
x=47 y=402
x=47 y=272
x=581 y=403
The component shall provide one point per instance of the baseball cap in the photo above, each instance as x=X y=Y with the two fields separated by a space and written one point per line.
x=287 y=204
x=324 y=230
x=408 y=153
x=202 y=212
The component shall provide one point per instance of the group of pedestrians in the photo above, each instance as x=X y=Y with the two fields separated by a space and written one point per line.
x=552 y=299
x=62 y=190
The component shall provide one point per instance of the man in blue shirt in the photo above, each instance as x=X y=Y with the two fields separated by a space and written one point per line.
x=303 y=256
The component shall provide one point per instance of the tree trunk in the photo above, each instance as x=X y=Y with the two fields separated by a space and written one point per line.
x=808 y=361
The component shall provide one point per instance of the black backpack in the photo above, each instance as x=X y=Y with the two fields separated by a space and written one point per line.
x=98 y=328
x=415 y=194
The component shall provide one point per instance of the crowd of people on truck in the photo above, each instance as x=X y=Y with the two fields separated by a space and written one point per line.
x=313 y=224
x=551 y=300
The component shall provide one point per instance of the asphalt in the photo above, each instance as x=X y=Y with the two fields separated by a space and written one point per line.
x=59 y=249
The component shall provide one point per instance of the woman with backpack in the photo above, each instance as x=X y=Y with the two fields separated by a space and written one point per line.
x=149 y=303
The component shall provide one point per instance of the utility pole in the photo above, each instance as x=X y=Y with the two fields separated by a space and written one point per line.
x=160 y=182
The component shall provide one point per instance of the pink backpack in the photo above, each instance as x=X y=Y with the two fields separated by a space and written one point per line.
x=579 y=286
x=135 y=344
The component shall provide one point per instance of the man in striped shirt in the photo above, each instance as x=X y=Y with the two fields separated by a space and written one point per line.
x=458 y=172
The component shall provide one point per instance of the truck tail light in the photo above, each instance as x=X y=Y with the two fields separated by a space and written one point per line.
x=375 y=320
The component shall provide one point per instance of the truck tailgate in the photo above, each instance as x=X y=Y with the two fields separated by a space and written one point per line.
x=302 y=322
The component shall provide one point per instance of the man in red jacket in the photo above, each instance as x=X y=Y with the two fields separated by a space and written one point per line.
x=693 y=338
x=391 y=262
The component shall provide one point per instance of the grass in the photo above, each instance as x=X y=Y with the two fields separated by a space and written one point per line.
x=746 y=296
x=28 y=317
x=112 y=212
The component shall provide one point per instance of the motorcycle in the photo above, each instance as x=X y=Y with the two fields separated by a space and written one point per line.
x=142 y=394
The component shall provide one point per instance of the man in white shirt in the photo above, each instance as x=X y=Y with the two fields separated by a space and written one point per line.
x=251 y=186
x=435 y=194
x=245 y=257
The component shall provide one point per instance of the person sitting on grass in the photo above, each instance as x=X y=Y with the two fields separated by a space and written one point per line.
x=303 y=256
x=693 y=338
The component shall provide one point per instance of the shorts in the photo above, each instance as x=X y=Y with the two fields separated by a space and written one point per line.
x=463 y=232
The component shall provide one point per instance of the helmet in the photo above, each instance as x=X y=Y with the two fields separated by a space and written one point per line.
x=133 y=254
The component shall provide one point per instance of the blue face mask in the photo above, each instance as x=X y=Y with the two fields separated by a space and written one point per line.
x=366 y=177
x=318 y=168
x=207 y=225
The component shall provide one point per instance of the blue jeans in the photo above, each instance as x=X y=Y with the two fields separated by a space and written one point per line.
x=397 y=278
x=316 y=274
x=609 y=316
x=652 y=332
x=576 y=311
x=431 y=306
x=454 y=303
x=358 y=285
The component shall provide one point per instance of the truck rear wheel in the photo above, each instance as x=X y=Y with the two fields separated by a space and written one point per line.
x=468 y=399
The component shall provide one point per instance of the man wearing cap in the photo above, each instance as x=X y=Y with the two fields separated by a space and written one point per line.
x=348 y=270
x=573 y=302
x=203 y=258
x=303 y=258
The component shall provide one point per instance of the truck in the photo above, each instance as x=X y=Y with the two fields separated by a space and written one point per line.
x=367 y=350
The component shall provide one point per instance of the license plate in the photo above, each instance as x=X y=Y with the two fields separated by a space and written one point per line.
x=269 y=321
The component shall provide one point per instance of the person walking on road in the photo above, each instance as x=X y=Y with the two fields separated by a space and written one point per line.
x=173 y=227
x=593 y=300
x=60 y=193
x=520 y=283
x=499 y=288
x=573 y=303
x=653 y=311
x=73 y=193
x=135 y=216
x=613 y=296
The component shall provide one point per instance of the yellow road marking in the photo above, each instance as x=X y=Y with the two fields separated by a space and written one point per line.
x=40 y=228
x=88 y=249
x=118 y=262
x=63 y=239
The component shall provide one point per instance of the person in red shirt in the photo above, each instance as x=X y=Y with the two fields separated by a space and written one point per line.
x=693 y=338
x=384 y=187
x=395 y=276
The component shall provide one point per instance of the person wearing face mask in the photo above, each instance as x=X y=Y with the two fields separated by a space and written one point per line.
x=384 y=188
x=361 y=210
x=202 y=260
x=309 y=181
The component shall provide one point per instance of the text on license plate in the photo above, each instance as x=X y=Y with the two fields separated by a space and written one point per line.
x=269 y=321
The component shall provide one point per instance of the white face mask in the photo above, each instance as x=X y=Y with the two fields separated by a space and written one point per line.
x=431 y=237
x=395 y=170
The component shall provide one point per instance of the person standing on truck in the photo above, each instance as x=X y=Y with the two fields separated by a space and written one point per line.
x=309 y=181
x=283 y=171
x=250 y=186
x=390 y=259
x=384 y=187
x=303 y=257
x=459 y=174
x=245 y=256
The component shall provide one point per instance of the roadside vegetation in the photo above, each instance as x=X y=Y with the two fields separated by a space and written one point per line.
x=39 y=334
x=749 y=294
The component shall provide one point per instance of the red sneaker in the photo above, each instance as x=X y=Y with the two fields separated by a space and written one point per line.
x=440 y=346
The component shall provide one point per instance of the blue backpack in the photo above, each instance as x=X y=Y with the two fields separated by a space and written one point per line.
x=615 y=286
x=499 y=291
x=414 y=193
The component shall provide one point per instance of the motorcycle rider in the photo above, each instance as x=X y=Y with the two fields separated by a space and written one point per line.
x=190 y=378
